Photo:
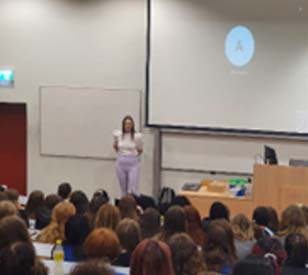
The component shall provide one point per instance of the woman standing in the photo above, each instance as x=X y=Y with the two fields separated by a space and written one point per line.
x=128 y=145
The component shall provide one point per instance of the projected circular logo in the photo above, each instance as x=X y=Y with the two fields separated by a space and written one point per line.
x=239 y=46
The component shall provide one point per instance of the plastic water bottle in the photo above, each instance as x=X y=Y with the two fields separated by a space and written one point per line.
x=58 y=256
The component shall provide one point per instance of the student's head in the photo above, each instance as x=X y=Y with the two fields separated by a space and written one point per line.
x=185 y=255
x=242 y=228
x=7 y=208
x=96 y=203
x=52 y=200
x=180 y=201
x=149 y=223
x=261 y=216
x=128 y=207
x=13 y=196
x=219 y=211
x=292 y=220
x=80 y=201
x=174 y=222
x=108 y=216
x=128 y=125
x=129 y=234
x=92 y=267
x=76 y=229
x=151 y=258
x=13 y=229
x=64 y=190
x=254 y=265
x=62 y=212
x=194 y=226
x=271 y=248
x=17 y=258
x=35 y=202
x=273 y=221
x=296 y=246
x=102 y=243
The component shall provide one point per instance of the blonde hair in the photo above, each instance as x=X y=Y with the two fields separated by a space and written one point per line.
x=56 y=229
x=293 y=221
x=242 y=228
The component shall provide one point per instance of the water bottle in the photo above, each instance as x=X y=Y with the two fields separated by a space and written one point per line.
x=58 y=256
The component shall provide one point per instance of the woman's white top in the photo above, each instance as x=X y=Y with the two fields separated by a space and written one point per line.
x=126 y=145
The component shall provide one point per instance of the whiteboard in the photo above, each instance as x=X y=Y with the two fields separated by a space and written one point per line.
x=79 y=121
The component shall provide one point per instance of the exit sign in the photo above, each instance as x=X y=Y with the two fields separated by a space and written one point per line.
x=6 y=78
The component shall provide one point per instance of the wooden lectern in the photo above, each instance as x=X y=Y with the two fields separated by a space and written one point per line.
x=273 y=185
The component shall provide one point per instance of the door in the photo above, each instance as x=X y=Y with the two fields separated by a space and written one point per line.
x=13 y=146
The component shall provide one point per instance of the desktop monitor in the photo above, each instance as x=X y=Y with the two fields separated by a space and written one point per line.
x=270 y=156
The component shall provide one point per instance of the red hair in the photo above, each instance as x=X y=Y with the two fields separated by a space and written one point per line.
x=151 y=258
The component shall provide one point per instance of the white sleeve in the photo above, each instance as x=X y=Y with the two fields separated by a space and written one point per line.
x=139 y=141
x=116 y=135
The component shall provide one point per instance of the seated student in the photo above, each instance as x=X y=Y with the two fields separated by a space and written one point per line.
x=7 y=208
x=296 y=246
x=254 y=265
x=194 y=226
x=13 y=230
x=34 y=203
x=108 y=216
x=243 y=235
x=19 y=258
x=218 y=211
x=64 y=190
x=151 y=258
x=292 y=221
x=80 y=200
x=102 y=243
x=186 y=258
x=100 y=197
x=149 y=223
x=174 y=222
x=271 y=248
x=92 y=267
x=261 y=219
x=13 y=196
x=43 y=215
x=56 y=229
x=76 y=231
x=129 y=234
x=273 y=221
x=219 y=250
x=128 y=208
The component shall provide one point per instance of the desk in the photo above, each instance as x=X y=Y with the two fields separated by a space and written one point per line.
x=273 y=185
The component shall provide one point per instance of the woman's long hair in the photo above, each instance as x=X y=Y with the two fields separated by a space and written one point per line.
x=133 y=131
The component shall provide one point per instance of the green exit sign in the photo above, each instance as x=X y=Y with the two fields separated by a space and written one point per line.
x=6 y=78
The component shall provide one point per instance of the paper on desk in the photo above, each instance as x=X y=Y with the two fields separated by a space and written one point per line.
x=43 y=249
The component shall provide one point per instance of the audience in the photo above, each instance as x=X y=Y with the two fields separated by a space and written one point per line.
x=149 y=223
x=186 y=258
x=56 y=229
x=128 y=208
x=151 y=257
x=243 y=236
x=174 y=222
x=273 y=221
x=7 y=208
x=80 y=200
x=217 y=211
x=99 y=198
x=261 y=220
x=129 y=235
x=193 y=225
x=64 y=190
x=254 y=265
x=92 y=267
x=108 y=216
x=102 y=243
x=296 y=246
x=35 y=202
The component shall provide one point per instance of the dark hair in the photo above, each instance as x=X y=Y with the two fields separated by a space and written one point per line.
x=174 y=222
x=296 y=246
x=219 y=211
x=3 y=196
x=64 y=189
x=261 y=216
x=17 y=258
x=129 y=234
x=92 y=267
x=149 y=223
x=273 y=222
x=194 y=226
x=253 y=265
x=186 y=258
x=80 y=200
x=96 y=203
x=102 y=193
x=52 y=200
x=133 y=131
x=151 y=258
x=35 y=202
x=219 y=246
x=180 y=201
